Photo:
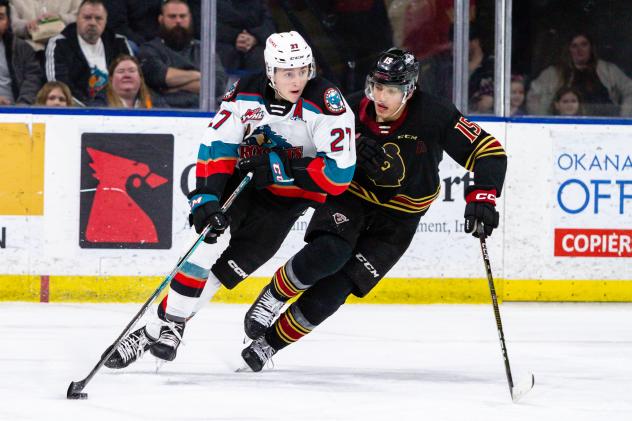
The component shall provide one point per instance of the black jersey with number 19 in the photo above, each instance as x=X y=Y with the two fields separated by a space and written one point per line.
x=415 y=143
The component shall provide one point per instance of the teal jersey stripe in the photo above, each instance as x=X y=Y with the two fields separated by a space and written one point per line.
x=249 y=97
x=335 y=173
x=217 y=150
x=311 y=107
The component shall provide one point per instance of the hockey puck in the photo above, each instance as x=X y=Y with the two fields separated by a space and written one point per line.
x=77 y=395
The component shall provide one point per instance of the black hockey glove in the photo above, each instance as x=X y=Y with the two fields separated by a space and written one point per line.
x=270 y=168
x=207 y=214
x=370 y=156
x=480 y=208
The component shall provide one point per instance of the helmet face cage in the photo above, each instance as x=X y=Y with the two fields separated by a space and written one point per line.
x=394 y=67
x=288 y=50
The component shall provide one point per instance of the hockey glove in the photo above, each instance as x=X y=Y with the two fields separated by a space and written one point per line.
x=207 y=213
x=370 y=156
x=270 y=168
x=480 y=208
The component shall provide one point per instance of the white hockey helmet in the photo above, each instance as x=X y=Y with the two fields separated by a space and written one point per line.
x=286 y=50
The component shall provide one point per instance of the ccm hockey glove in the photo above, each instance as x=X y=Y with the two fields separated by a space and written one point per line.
x=205 y=213
x=370 y=156
x=270 y=168
x=480 y=208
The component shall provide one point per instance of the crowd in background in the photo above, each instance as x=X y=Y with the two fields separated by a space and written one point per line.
x=147 y=53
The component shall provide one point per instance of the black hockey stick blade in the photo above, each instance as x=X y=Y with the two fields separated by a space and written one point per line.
x=75 y=390
x=519 y=390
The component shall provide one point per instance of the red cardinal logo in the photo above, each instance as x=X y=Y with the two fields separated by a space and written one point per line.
x=115 y=217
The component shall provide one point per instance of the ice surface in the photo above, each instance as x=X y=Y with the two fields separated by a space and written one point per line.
x=367 y=362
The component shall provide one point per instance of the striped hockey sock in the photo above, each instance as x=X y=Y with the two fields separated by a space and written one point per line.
x=289 y=328
x=285 y=284
x=185 y=289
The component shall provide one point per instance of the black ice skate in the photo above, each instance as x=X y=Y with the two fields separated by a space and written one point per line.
x=262 y=313
x=257 y=354
x=131 y=348
x=166 y=346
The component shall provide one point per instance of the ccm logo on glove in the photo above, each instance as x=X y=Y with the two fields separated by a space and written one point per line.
x=481 y=196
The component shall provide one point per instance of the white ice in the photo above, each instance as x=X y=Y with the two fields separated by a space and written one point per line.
x=367 y=362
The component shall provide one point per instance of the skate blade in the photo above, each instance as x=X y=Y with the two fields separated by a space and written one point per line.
x=159 y=364
x=244 y=369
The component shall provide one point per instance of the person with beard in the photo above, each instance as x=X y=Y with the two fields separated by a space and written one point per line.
x=81 y=54
x=171 y=62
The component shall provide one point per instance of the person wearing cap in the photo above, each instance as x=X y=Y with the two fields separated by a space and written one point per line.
x=402 y=134
x=295 y=132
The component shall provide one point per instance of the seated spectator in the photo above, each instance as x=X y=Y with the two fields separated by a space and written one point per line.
x=20 y=73
x=605 y=89
x=136 y=19
x=171 y=63
x=517 y=95
x=242 y=30
x=126 y=87
x=567 y=101
x=80 y=55
x=30 y=17
x=54 y=94
x=482 y=100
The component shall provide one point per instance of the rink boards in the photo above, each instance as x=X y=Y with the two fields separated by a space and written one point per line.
x=93 y=208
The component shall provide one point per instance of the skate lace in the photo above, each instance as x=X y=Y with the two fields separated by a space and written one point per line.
x=132 y=346
x=267 y=309
x=171 y=337
x=264 y=351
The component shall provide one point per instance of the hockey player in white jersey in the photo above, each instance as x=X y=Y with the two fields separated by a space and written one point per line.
x=295 y=131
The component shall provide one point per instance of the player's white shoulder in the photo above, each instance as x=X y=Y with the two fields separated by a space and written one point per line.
x=325 y=98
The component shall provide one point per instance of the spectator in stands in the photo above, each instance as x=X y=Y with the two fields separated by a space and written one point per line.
x=80 y=55
x=517 y=95
x=605 y=89
x=136 y=19
x=437 y=72
x=424 y=26
x=54 y=94
x=126 y=87
x=567 y=101
x=20 y=73
x=242 y=30
x=171 y=63
x=481 y=79
x=482 y=100
x=38 y=20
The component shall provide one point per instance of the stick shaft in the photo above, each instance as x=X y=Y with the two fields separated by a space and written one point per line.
x=78 y=386
x=492 y=291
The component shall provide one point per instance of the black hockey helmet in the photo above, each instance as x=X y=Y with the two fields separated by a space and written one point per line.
x=394 y=67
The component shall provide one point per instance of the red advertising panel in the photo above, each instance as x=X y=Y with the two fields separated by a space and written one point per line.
x=584 y=242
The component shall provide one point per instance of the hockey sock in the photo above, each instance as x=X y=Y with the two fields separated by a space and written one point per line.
x=289 y=328
x=311 y=309
x=285 y=285
x=308 y=266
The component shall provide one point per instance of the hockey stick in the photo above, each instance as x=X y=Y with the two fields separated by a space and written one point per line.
x=75 y=388
x=519 y=391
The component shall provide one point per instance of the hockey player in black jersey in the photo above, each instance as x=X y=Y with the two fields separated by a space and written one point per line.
x=295 y=131
x=354 y=239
